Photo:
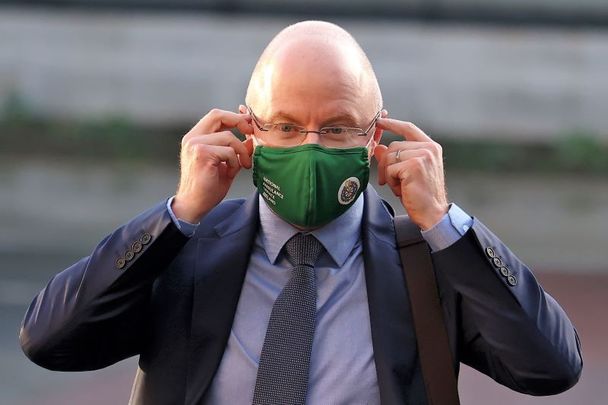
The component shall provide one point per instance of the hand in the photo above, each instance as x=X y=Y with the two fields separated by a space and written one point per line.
x=413 y=169
x=210 y=158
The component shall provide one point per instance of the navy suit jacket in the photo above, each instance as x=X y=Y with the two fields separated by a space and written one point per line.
x=148 y=290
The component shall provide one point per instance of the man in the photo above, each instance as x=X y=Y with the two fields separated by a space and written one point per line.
x=215 y=298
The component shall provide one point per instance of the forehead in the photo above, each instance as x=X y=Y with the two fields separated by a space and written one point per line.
x=323 y=116
x=321 y=79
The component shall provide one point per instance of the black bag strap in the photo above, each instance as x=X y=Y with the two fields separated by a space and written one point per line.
x=433 y=345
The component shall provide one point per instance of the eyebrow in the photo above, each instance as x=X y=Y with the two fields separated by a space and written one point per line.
x=281 y=116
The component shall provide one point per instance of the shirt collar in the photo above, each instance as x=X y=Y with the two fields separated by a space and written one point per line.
x=337 y=237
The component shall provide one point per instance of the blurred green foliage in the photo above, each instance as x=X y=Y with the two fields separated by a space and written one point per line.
x=576 y=152
x=22 y=133
x=579 y=151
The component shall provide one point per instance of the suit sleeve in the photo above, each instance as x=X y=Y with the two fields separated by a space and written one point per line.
x=93 y=313
x=508 y=327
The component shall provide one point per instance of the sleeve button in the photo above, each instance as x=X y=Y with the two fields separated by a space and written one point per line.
x=497 y=262
x=490 y=252
x=120 y=263
x=505 y=271
x=146 y=238
x=512 y=281
x=129 y=255
x=136 y=247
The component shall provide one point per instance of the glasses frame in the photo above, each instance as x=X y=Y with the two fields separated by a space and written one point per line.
x=322 y=131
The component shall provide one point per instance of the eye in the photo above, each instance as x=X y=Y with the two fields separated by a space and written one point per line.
x=286 y=128
x=335 y=130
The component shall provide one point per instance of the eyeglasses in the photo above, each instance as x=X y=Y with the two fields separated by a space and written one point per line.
x=287 y=134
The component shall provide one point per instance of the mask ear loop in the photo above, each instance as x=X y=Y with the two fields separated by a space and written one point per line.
x=256 y=141
x=370 y=153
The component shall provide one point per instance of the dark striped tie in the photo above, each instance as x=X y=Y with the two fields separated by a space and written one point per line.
x=282 y=377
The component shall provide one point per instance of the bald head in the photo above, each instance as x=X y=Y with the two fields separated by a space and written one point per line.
x=309 y=62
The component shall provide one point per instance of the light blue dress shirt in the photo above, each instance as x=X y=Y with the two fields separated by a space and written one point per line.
x=342 y=368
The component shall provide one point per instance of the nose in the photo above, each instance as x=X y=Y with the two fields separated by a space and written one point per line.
x=312 y=137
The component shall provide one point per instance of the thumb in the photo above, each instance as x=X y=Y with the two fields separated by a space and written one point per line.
x=380 y=154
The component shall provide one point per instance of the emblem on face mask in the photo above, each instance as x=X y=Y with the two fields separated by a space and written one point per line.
x=348 y=190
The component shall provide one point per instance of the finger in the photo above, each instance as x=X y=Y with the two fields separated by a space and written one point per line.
x=245 y=126
x=388 y=157
x=380 y=153
x=246 y=159
x=219 y=155
x=403 y=155
x=398 y=174
x=220 y=120
x=400 y=166
x=395 y=188
x=241 y=149
x=393 y=182
x=409 y=145
x=406 y=129
x=225 y=138
x=243 y=110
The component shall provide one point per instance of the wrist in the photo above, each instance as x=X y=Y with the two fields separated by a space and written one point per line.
x=433 y=217
x=185 y=212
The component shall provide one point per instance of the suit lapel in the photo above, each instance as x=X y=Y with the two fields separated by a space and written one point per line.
x=223 y=256
x=393 y=337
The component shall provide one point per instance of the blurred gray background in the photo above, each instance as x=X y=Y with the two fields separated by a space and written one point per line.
x=95 y=96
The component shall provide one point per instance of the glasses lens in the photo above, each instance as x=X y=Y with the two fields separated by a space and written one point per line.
x=289 y=135
x=285 y=135
x=281 y=137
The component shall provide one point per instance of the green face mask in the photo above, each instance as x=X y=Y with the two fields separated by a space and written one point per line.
x=310 y=185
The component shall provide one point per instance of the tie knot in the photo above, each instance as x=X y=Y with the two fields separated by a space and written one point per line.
x=303 y=249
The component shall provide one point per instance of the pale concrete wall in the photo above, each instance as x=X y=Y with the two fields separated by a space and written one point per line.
x=466 y=81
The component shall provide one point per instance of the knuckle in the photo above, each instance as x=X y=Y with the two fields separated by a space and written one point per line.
x=426 y=155
x=214 y=113
x=200 y=149
x=185 y=141
x=199 y=123
x=415 y=164
x=436 y=148
x=395 y=145
x=187 y=144
x=421 y=163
